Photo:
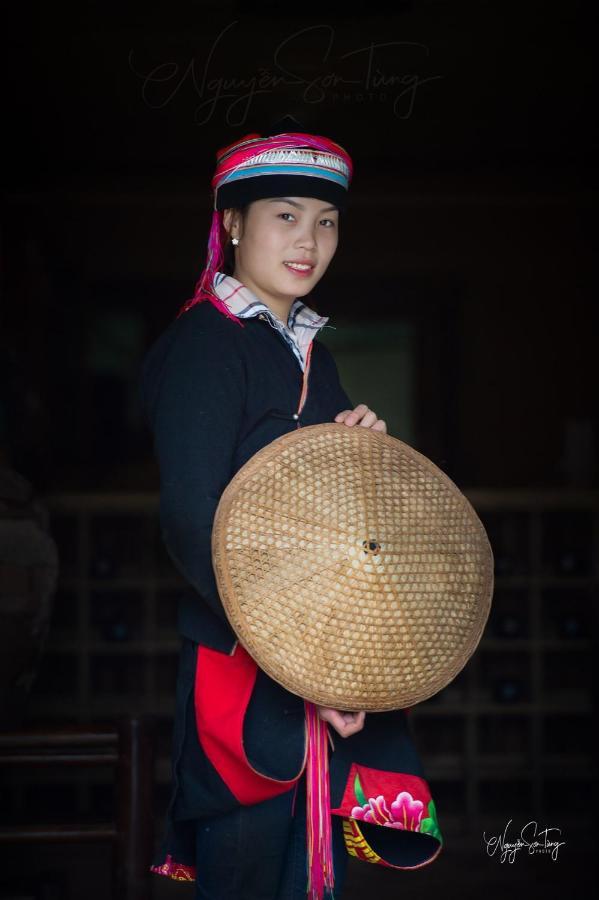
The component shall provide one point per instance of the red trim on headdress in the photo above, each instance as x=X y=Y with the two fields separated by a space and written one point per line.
x=253 y=145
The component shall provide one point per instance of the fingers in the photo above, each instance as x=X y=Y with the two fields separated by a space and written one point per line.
x=344 y=723
x=366 y=417
x=353 y=722
x=335 y=718
x=355 y=415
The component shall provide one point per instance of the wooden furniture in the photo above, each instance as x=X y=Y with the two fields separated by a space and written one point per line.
x=128 y=749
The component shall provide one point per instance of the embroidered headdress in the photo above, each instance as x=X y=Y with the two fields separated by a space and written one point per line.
x=254 y=168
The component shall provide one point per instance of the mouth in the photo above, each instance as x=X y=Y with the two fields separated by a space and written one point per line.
x=301 y=269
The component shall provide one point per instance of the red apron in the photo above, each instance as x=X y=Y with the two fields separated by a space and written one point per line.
x=223 y=687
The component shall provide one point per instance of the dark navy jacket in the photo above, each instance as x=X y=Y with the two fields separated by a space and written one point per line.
x=214 y=394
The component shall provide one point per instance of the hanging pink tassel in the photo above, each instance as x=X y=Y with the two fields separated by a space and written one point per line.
x=204 y=289
x=318 y=808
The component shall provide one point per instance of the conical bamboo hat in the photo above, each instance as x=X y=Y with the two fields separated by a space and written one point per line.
x=351 y=568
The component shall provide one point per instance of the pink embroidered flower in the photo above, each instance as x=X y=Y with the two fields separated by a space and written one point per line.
x=406 y=812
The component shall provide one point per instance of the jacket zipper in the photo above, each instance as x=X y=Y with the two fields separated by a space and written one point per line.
x=304 y=393
x=305 y=376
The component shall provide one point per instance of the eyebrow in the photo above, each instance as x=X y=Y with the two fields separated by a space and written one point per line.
x=299 y=205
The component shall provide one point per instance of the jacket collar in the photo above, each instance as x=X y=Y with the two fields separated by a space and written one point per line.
x=303 y=323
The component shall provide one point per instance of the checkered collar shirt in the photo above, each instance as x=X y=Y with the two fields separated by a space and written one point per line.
x=303 y=323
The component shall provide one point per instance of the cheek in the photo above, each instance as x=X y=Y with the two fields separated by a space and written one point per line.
x=260 y=254
x=329 y=243
x=271 y=244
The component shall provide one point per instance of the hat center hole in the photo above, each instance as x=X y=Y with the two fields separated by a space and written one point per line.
x=371 y=548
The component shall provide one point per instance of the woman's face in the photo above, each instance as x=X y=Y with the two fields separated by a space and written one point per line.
x=277 y=232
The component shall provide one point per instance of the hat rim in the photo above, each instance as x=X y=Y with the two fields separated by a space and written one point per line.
x=263 y=187
x=403 y=697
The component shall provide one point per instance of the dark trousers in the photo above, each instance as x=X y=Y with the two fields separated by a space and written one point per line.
x=259 y=852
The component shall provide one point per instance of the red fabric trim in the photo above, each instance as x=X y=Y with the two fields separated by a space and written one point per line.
x=391 y=800
x=176 y=871
x=376 y=782
x=223 y=687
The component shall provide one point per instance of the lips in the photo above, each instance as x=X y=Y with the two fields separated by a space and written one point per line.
x=306 y=264
x=300 y=273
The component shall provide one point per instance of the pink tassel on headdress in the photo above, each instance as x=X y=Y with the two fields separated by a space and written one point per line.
x=318 y=808
x=204 y=289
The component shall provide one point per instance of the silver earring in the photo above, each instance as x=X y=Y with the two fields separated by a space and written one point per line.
x=235 y=241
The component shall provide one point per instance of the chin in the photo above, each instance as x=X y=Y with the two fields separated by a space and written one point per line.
x=302 y=288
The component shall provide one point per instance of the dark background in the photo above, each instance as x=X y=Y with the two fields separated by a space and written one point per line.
x=472 y=211
x=473 y=137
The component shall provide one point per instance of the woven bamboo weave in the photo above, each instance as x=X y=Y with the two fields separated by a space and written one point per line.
x=351 y=568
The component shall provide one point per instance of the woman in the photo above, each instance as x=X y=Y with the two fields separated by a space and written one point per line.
x=240 y=366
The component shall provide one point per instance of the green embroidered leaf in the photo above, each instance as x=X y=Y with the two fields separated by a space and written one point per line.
x=360 y=796
x=432 y=811
x=430 y=825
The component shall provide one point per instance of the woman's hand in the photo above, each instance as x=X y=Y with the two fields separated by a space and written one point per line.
x=362 y=415
x=344 y=723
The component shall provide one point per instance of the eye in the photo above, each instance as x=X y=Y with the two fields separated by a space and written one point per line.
x=330 y=221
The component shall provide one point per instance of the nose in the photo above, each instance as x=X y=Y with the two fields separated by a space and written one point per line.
x=307 y=237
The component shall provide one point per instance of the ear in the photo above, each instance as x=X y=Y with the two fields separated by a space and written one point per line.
x=228 y=219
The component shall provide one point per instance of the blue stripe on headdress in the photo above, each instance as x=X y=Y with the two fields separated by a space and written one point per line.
x=285 y=169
